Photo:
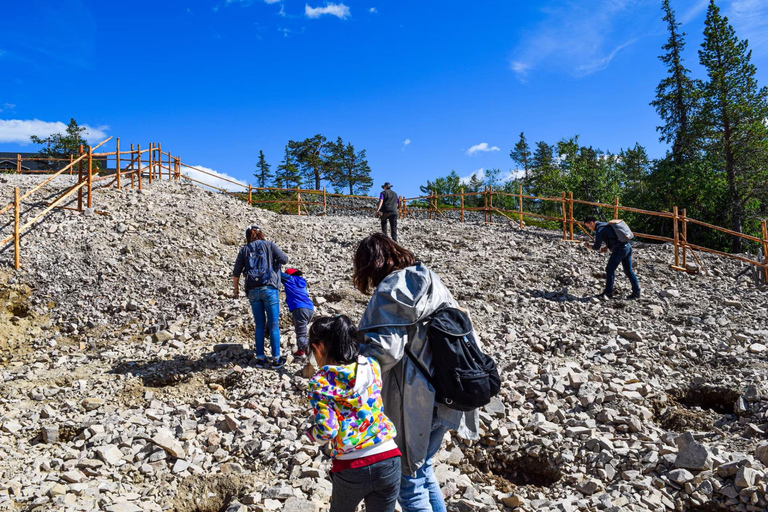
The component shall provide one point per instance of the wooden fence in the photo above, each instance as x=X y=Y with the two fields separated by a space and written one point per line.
x=130 y=165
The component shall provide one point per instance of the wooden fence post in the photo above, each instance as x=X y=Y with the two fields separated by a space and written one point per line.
x=520 y=205
x=151 y=168
x=160 y=163
x=18 y=165
x=117 y=162
x=325 y=204
x=685 y=240
x=676 y=236
x=90 y=174
x=490 y=203
x=462 y=204
x=133 y=168
x=71 y=159
x=16 y=235
x=178 y=167
x=765 y=250
x=570 y=214
x=298 y=201
x=485 y=205
x=616 y=207
x=250 y=195
x=79 y=181
x=138 y=161
x=565 y=217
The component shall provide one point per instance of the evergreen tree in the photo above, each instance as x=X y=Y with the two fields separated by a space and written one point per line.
x=61 y=146
x=521 y=155
x=311 y=157
x=288 y=174
x=676 y=95
x=734 y=114
x=262 y=174
x=450 y=184
x=347 y=168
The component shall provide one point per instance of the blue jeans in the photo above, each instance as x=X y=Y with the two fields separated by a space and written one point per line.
x=377 y=484
x=265 y=305
x=421 y=492
x=621 y=254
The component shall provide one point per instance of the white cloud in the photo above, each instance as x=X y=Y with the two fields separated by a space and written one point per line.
x=482 y=147
x=372 y=10
x=341 y=11
x=271 y=1
x=406 y=142
x=749 y=18
x=19 y=131
x=480 y=173
x=581 y=38
x=7 y=106
x=196 y=174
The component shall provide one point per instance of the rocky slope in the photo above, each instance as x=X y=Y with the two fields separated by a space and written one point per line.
x=126 y=385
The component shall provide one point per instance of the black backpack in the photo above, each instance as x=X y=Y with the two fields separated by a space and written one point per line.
x=464 y=378
x=257 y=268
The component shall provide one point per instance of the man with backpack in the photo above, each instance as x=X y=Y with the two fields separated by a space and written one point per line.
x=387 y=209
x=616 y=235
x=260 y=260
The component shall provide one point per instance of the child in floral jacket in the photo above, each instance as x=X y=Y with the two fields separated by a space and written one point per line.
x=345 y=394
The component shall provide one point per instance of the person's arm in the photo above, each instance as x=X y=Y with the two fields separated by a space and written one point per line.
x=325 y=424
x=280 y=256
x=236 y=272
x=381 y=202
x=236 y=287
x=598 y=239
x=385 y=344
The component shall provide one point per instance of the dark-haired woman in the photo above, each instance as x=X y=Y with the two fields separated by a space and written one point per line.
x=345 y=394
x=261 y=286
x=405 y=293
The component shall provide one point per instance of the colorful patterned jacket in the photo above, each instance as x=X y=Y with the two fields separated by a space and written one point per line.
x=348 y=409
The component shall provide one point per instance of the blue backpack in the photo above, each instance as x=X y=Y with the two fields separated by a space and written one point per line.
x=257 y=269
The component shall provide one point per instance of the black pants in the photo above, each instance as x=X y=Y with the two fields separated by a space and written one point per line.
x=392 y=217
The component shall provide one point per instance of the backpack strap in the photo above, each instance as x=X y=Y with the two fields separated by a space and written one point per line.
x=420 y=366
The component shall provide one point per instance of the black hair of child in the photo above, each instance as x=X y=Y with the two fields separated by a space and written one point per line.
x=339 y=335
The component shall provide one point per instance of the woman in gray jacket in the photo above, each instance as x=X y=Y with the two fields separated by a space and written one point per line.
x=405 y=293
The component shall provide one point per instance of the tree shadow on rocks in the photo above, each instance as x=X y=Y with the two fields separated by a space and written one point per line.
x=159 y=373
x=558 y=296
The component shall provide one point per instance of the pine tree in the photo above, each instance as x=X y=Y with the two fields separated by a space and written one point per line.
x=311 y=158
x=288 y=174
x=676 y=95
x=59 y=147
x=262 y=174
x=734 y=114
x=347 y=168
x=521 y=155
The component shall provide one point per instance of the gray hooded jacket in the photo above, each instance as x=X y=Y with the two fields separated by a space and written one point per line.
x=397 y=315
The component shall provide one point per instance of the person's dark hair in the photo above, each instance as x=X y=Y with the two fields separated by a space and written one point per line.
x=376 y=257
x=254 y=233
x=589 y=219
x=338 y=334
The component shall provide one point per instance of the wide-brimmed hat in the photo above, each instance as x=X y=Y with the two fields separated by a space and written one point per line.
x=293 y=272
x=387 y=185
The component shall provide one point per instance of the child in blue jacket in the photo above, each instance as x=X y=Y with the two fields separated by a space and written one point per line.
x=299 y=304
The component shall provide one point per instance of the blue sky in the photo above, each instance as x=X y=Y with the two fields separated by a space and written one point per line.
x=417 y=84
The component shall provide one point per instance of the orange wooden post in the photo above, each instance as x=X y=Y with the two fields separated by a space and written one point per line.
x=117 y=164
x=16 y=237
x=151 y=168
x=685 y=240
x=616 y=207
x=485 y=205
x=324 y=202
x=565 y=218
x=133 y=168
x=18 y=166
x=298 y=201
x=79 y=181
x=490 y=203
x=71 y=159
x=520 y=205
x=570 y=214
x=676 y=236
x=462 y=204
x=138 y=161
x=160 y=163
x=178 y=167
x=90 y=174
x=765 y=249
x=250 y=195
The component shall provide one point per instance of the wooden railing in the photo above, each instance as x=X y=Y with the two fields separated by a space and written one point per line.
x=131 y=165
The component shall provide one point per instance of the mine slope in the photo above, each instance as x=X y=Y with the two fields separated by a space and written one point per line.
x=126 y=381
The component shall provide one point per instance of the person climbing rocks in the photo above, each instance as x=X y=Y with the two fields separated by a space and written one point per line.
x=299 y=304
x=387 y=210
x=621 y=253
x=260 y=260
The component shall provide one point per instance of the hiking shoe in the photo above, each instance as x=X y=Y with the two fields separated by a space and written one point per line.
x=260 y=362
x=605 y=296
x=278 y=363
x=633 y=295
x=299 y=353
